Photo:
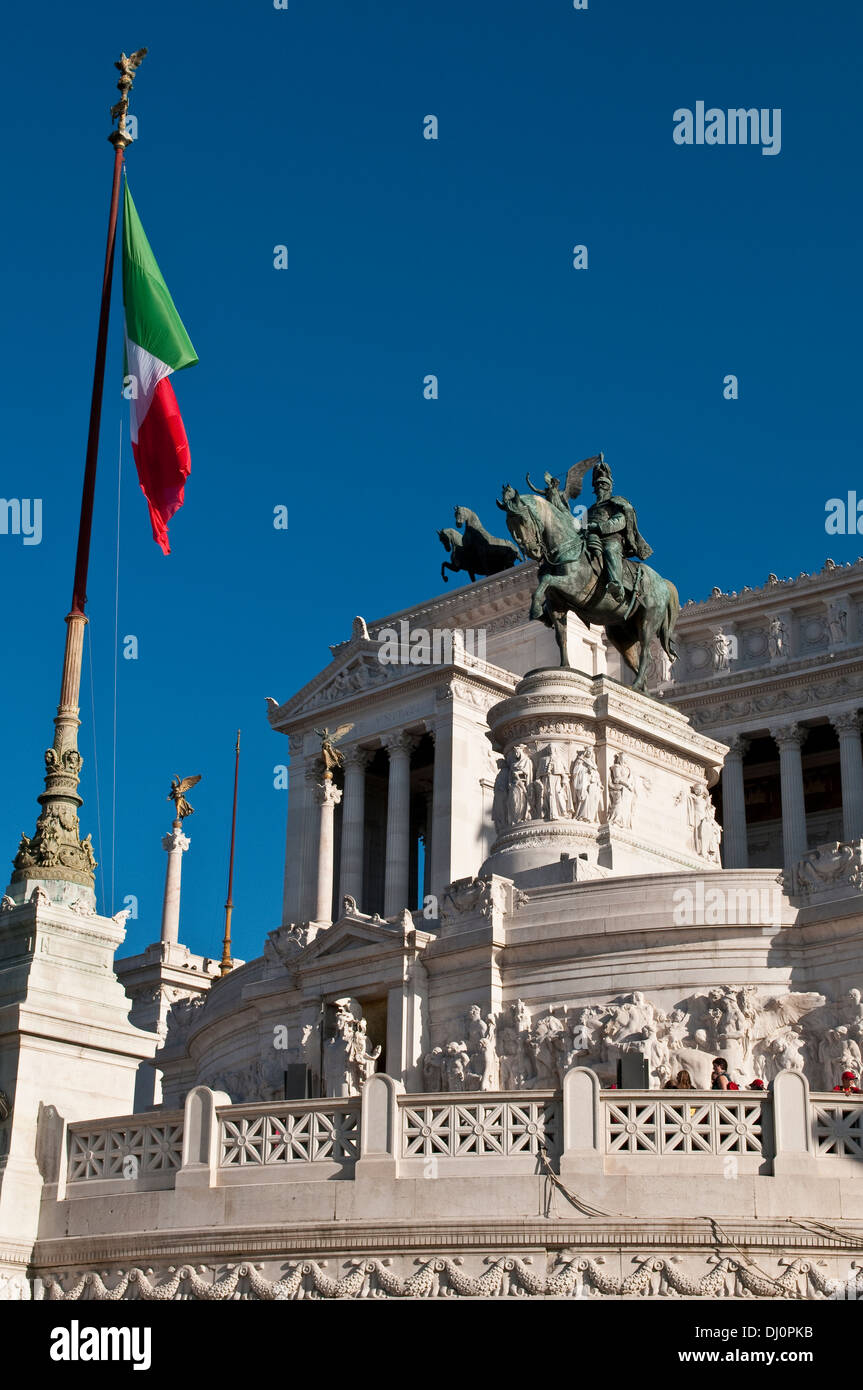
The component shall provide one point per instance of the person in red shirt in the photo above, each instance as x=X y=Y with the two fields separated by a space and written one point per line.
x=847 y=1086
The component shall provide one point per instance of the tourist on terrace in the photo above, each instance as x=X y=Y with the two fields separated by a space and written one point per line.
x=682 y=1081
x=719 y=1076
x=847 y=1084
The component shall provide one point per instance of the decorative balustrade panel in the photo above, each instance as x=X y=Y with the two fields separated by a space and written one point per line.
x=838 y=1128
x=481 y=1128
x=687 y=1125
x=125 y=1152
x=290 y=1136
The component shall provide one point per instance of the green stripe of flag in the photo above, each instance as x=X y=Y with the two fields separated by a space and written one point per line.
x=152 y=320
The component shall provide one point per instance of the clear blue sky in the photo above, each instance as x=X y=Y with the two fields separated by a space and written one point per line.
x=259 y=127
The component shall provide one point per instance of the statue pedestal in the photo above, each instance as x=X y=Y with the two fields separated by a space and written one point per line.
x=597 y=773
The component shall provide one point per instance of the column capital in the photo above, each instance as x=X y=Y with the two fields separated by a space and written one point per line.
x=327 y=793
x=357 y=757
x=175 y=840
x=399 y=742
x=789 y=735
x=738 y=746
x=846 y=722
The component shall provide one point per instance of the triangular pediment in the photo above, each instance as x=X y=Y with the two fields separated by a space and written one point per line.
x=355 y=671
x=350 y=935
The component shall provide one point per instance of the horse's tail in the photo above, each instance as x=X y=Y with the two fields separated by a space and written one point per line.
x=669 y=621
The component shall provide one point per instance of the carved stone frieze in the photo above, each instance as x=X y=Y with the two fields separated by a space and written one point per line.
x=472 y=897
x=466 y=1064
x=552 y=1273
x=758 y=1034
x=828 y=867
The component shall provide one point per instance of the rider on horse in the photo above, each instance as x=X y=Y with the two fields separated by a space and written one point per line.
x=612 y=529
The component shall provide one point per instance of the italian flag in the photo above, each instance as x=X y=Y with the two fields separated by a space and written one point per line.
x=157 y=344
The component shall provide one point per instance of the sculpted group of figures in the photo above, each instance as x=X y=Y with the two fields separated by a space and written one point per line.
x=546 y=785
x=758 y=1036
x=550 y=787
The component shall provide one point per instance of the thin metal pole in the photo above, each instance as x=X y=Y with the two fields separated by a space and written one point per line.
x=85 y=526
x=227 y=963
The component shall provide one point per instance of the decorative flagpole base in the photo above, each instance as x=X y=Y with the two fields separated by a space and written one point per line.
x=55 y=858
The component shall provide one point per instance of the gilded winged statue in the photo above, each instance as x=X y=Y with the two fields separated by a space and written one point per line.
x=331 y=757
x=176 y=794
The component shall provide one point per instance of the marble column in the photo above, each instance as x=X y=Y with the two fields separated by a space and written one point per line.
x=735 y=849
x=353 y=824
x=328 y=797
x=847 y=726
x=397 y=882
x=427 y=844
x=789 y=738
x=176 y=844
x=308 y=892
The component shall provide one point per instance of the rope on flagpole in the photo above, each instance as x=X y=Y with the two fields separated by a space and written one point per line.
x=116 y=664
x=88 y=634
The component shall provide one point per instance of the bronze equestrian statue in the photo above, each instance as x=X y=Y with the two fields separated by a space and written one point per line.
x=593 y=567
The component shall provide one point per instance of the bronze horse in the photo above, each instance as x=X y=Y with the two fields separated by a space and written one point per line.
x=571 y=580
x=477 y=552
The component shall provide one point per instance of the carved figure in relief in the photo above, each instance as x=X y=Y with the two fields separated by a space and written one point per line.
x=722 y=649
x=674 y=1056
x=347 y=1061
x=782 y=1052
x=500 y=797
x=25 y=858
x=854 y=1012
x=777 y=639
x=549 y=1042
x=433 y=1076
x=482 y=896
x=520 y=781
x=552 y=773
x=50 y=841
x=513 y=1036
x=701 y=816
x=662 y=665
x=622 y=791
x=837 y=624
x=363 y=1059
x=632 y=1024
x=837 y=1052
x=456 y=1068
x=585 y=1035
x=481 y=1047
x=837 y=862
x=586 y=785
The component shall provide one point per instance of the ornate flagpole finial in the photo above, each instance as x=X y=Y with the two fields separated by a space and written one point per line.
x=126 y=67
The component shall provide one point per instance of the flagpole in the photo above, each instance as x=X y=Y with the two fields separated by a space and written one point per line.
x=56 y=854
x=227 y=963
